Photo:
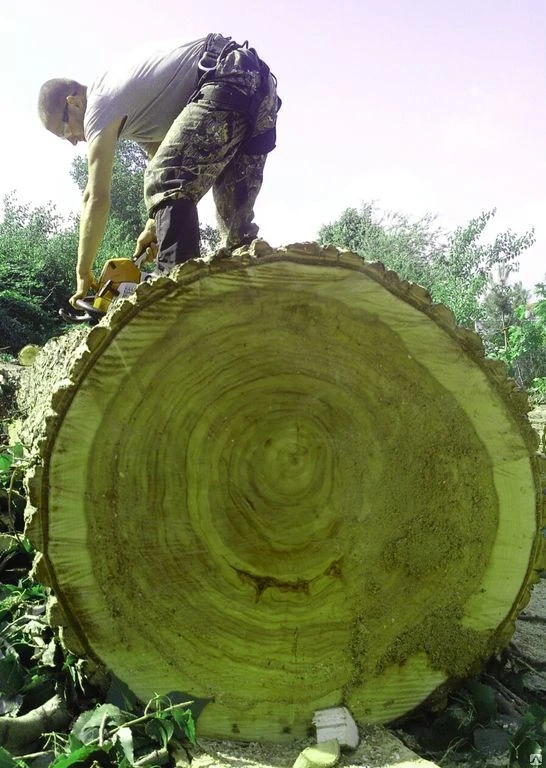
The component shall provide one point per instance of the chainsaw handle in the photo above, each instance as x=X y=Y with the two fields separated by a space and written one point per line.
x=88 y=313
x=84 y=304
x=74 y=317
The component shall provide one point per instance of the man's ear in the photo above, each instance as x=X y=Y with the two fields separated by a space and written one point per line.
x=76 y=100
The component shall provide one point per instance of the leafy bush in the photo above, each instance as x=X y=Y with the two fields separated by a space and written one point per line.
x=524 y=348
x=453 y=266
x=23 y=321
x=35 y=251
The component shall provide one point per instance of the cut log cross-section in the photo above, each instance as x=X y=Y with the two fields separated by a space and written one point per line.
x=284 y=481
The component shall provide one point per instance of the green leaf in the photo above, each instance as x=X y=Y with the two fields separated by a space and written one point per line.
x=12 y=676
x=27 y=546
x=184 y=720
x=17 y=450
x=125 y=739
x=87 y=726
x=6 y=760
x=81 y=755
x=74 y=743
x=5 y=462
x=160 y=730
x=538 y=712
x=483 y=698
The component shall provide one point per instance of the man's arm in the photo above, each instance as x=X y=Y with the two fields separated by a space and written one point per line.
x=95 y=205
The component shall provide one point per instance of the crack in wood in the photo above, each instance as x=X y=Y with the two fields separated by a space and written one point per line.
x=261 y=583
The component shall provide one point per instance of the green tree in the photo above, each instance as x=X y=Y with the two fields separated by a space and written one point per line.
x=499 y=309
x=401 y=244
x=454 y=267
x=524 y=345
x=460 y=273
x=37 y=250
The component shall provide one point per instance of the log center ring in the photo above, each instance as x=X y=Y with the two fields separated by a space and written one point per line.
x=288 y=464
x=270 y=456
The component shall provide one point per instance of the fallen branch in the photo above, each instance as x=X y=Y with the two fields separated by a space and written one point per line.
x=157 y=757
x=19 y=733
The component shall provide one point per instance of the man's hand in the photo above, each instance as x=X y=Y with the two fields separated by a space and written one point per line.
x=146 y=241
x=83 y=284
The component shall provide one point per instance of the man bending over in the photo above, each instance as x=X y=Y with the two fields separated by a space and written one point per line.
x=205 y=113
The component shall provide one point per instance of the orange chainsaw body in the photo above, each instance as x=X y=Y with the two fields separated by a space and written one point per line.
x=119 y=277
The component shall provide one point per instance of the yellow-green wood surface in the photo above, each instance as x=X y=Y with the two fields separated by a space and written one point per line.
x=285 y=481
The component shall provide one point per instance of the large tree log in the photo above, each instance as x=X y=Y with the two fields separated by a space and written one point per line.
x=283 y=481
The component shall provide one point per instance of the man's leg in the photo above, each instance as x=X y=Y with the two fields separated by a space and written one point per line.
x=237 y=188
x=177 y=228
x=199 y=145
x=202 y=148
x=235 y=192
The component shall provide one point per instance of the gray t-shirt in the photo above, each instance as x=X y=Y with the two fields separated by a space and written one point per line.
x=149 y=92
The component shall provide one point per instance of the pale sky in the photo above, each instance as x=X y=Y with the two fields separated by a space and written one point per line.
x=425 y=106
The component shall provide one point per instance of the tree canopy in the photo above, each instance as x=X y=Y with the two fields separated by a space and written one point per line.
x=454 y=266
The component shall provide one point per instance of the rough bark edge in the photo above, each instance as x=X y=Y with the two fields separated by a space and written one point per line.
x=86 y=345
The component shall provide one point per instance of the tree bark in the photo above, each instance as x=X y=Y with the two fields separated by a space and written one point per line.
x=282 y=482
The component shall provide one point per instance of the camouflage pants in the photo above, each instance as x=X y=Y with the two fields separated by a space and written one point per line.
x=205 y=147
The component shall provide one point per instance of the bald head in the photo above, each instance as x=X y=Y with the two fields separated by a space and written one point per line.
x=52 y=98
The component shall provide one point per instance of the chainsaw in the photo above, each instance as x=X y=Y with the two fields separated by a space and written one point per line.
x=119 y=278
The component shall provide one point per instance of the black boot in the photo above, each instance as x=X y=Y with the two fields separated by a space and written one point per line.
x=177 y=229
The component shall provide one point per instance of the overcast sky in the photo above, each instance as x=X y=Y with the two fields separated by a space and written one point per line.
x=425 y=106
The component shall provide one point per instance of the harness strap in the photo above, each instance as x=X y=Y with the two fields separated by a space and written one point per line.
x=215 y=49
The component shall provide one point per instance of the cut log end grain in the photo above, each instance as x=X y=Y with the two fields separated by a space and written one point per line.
x=284 y=482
